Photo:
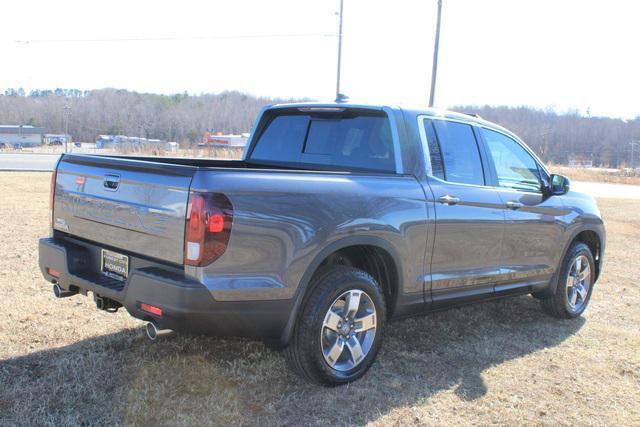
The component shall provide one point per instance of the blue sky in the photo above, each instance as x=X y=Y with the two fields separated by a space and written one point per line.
x=563 y=55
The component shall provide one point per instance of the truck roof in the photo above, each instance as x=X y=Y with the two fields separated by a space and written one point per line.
x=413 y=110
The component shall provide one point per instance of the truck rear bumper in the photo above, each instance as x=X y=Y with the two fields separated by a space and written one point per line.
x=186 y=304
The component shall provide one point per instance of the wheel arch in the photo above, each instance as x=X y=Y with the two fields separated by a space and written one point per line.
x=590 y=236
x=594 y=242
x=371 y=254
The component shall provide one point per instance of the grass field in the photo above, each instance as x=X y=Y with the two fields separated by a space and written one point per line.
x=63 y=362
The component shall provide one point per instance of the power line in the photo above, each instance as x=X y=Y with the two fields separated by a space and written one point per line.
x=174 y=38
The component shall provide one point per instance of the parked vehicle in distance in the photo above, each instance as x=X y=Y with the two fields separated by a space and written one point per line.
x=17 y=146
x=339 y=218
x=3 y=146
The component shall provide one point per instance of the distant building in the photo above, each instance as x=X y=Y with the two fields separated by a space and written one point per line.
x=26 y=136
x=218 y=139
x=105 y=141
x=121 y=141
x=55 y=139
x=579 y=162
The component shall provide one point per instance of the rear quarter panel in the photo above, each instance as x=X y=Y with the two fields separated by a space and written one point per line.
x=283 y=220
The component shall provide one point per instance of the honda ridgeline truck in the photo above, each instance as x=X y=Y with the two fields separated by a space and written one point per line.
x=338 y=218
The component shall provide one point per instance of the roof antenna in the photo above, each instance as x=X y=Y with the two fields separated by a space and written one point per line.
x=341 y=97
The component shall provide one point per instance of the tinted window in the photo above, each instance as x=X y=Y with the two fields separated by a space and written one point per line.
x=362 y=141
x=437 y=166
x=459 y=152
x=515 y=167
x=282 y=139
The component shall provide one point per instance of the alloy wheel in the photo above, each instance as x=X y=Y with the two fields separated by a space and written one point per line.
x=348 y=330
x=578 y=283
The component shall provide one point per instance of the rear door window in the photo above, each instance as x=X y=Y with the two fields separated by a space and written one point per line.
x=352 y=141
x=455 y=156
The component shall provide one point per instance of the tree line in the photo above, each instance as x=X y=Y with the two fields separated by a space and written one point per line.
x=86 y=114
x=558 y=138
x=185 y=117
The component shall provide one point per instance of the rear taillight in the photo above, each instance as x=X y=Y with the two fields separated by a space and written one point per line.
x=53 y=272
x=208 y=227
x=52 y=193
x=151 y=309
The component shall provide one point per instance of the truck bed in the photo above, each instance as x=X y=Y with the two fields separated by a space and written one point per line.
x=146 y=212
x=227 y=164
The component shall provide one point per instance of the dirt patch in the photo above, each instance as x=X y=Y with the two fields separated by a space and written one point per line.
x=63 y=362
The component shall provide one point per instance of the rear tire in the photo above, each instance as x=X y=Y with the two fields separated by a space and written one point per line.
x=339 y=329
x=575 y=284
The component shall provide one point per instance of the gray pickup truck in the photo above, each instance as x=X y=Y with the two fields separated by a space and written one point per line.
x=339 y=217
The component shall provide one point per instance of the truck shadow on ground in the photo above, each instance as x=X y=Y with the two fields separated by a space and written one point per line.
x=122 y=378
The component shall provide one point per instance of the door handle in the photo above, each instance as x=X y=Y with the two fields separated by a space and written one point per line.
x=449 y=200
x=512 y=204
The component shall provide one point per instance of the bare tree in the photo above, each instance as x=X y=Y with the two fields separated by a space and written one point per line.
x=184 y=118
x=180 y=117
x=557 y=137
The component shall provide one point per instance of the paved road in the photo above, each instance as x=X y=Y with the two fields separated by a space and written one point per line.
x=607 y=190
x=46 y=162
x=28 y=161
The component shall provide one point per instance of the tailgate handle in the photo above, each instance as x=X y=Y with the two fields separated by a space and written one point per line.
x=111 y=181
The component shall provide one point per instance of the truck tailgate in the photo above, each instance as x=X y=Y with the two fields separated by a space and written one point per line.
x=124 y=203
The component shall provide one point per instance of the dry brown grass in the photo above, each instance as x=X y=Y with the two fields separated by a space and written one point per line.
x=596 y=174
x=213 y=152
x=63 y=362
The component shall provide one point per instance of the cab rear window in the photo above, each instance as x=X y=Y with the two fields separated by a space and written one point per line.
x=338 y=141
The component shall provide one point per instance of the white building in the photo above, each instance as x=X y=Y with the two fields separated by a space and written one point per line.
x=122 y=141
x=220 y=140
x=24 y=135
x=55 y=139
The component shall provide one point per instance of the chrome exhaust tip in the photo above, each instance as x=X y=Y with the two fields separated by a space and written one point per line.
x=58 y=292
x=154 y=332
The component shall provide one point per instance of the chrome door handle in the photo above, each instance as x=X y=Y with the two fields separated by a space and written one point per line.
x=511 y=204
x=449 y=200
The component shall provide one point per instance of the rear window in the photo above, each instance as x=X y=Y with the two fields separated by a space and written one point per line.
x=354 y=141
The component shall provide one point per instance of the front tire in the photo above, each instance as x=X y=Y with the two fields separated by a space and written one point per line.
x=339 y=330
x=575 y=284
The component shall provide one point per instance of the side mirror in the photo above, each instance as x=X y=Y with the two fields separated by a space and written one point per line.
x=559 y=185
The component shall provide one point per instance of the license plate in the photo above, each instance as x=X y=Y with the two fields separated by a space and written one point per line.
x=115 y=265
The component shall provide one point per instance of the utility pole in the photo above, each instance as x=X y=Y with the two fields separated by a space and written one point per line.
x=338 y=95
x=633 y=144
x=67 y=111
x=434 y=69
